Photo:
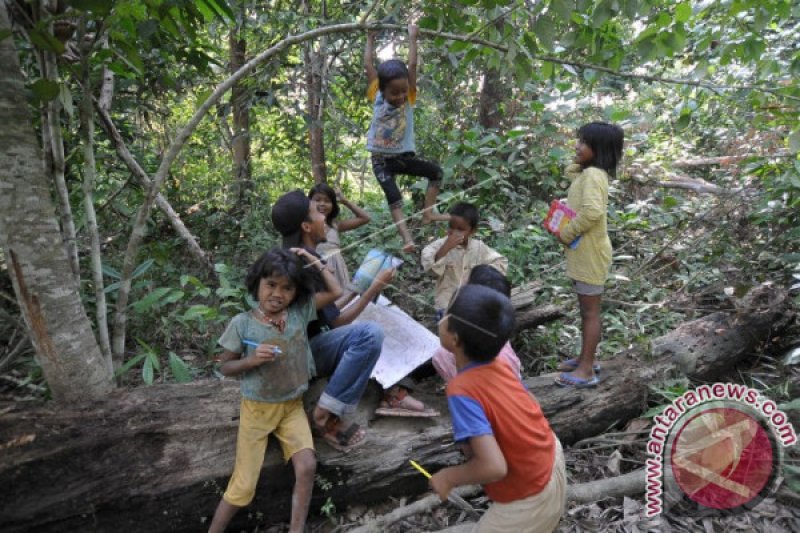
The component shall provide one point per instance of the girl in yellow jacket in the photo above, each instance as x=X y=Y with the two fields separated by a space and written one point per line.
x=597 y=154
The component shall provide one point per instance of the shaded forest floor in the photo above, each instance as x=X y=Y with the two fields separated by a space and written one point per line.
x=602 y=457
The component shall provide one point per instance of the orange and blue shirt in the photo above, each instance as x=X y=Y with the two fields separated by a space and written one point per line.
x=488 y=399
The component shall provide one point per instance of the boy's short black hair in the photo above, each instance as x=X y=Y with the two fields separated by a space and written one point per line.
x=391 y=70
x=327 y=190
x=488 y=276
x=282 y=262
x=483 y=319
x=288 y=214
x=466 y=211
x=606 y=141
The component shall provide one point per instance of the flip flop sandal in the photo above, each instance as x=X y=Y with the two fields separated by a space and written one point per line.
x=572 y=364
x=337 y=439
x=568 y=380
x=402 y=404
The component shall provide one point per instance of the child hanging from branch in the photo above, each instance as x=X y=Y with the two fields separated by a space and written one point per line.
x=390 y=139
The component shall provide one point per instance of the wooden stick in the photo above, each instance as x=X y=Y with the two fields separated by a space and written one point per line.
x=625 y=485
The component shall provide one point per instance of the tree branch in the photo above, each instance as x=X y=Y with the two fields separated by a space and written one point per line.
x=164 y=205
x=625 y=485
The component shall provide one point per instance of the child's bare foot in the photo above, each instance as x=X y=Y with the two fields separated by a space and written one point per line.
x=398 y=402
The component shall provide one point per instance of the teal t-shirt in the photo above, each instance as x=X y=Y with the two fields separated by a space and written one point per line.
x=287 y=377
x=392 y=128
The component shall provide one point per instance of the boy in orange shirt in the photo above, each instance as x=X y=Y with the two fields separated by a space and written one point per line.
x=509 y=445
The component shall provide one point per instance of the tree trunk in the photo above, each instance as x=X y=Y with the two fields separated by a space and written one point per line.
x=158 y=458
x=89 y=178
x=490 y=114
x=240 y=102
x=52 y=121
x=315 y=67
x=46 y=289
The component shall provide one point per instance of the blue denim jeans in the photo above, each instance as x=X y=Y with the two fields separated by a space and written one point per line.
x=347 y=354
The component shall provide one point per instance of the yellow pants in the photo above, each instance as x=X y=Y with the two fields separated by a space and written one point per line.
x=286 y=420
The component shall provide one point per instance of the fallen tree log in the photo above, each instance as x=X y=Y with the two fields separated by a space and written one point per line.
x=157 y=458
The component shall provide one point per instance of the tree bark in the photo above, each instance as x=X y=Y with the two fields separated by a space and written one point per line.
x=89 y=178
x=157 y=458
x=52 y=121
x=490 y=114
x=240 y=102
x=315 y=74
x=46 y=289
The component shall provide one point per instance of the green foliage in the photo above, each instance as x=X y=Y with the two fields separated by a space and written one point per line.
x=168 y=57
x=665 y=394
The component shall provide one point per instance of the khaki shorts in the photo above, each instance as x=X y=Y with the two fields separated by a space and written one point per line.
x=257 y=420
x=539 y=513
x=587 y=289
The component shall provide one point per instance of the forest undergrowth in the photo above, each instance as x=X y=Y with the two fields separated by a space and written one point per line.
x=678 y=255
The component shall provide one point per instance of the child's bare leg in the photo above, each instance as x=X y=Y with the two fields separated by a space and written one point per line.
x=222 y=516
x=305 y=465
x=402 y=229
x=429 y=213
x=590 y=331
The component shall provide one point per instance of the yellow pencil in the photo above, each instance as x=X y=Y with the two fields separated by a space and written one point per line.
x=422 y=470
x=455 y=498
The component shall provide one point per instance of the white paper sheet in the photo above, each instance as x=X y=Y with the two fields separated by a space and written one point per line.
x=406 y=343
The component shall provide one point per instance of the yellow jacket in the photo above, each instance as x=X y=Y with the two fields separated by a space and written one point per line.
x=588 y=197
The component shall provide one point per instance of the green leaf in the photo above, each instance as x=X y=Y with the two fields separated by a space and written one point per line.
x=153 y=357
x=129 y=364
x=151 y=300
x=546 y=70
x=147 y=371
x=602 y=12
x=141 y=269
x=221 y=7
x=618 y=114
x=113 y=287
x=670 y=201
x=111 y=272
x=684 y=121
x=545 y=29
x=458 y=46
x=200 y=311
x=45 y=90
x=179 y=368
x=562 y=8
x=683 y=12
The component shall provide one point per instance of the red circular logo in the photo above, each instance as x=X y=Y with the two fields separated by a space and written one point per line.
x=722 y=458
